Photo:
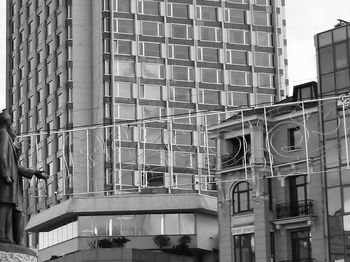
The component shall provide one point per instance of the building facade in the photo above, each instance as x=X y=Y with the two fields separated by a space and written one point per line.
x=108 y=98
x=333 y=56
x=270 y=184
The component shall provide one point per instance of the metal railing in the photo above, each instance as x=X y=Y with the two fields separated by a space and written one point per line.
x=300 y=260
x=300 y=208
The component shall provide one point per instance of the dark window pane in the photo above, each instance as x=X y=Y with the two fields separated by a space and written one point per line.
x=334 y=201
x=327 y=83
x=326 y=60
x=342 y=79
x=341 y=56
x=346 y=200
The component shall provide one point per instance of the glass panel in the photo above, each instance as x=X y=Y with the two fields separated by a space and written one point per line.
x=128 y=155
x=114 y=224
x=180 y=10
x=334 y=201
x=172 y=224
x=128 y=225
x=341 y=56
x=331 y=149
x=346 y=196
x=339 y=34
x=84 y=227
x=187 y=224
x=99 y=227
x=327 y=83
x=342 y=79
x=333 y=177
x=326 y=60
x=325 y=39
x=157 y=226
x=335 y=225
x=143 y=225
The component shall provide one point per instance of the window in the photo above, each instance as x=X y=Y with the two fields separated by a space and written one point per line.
x=210 y=34
x=326 y=55
x=210 y=75
x=238 y=37
x=125 y=133
x=148 y=8
x=181 y=31
x=244 y=248
x=264 y=39
x=178 y=10
x=206 y=13
x=295 y=138
x=266 y=80
x=179 y=52
x=182 y=137
x=262 y=99
x=180 y=94
x=207 y=54
x=150 y=92
x=262 y=18
x=262 y=2
x=155 y=71
x=123 y=68
x=263 y=59
x=48 y=29
x=238 y=99
x=150 y=49
x=124 y=26
x=122 y=6
x=152 y=112
x=124 y=111
x=184 y=159
x=236 y=57
x=341 y=55
x=152 y=28
x=183 y=116
x=235 y=16
x=153 y=157
x=152 y=179
x=240 y=78
x=242 y=198
x=123 y=89
x=152 y=135
x=122 y=47
x=209 y=97
x=128 y=155
x=183 y=73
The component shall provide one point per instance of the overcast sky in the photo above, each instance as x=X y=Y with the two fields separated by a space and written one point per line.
x=305 y=18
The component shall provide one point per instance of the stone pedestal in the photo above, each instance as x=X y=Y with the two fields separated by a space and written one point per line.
x=16 y=253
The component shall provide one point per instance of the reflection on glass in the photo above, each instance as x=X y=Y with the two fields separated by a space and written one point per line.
x=84 y=228
x=157 y=226
x=187 y=224
x=142 y=225
x=171 y=223
x=333 y=177
x=99 y=223
x=334 y=202
x=346 y=196
x=128 y=225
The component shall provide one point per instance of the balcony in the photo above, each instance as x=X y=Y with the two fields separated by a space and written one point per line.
x=300 y=208
x=300 y=260
x=230 y=160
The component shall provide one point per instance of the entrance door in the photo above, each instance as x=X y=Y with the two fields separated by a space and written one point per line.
x=301 y=245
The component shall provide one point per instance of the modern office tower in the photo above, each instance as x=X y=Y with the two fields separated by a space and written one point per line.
x=109 y=98
x=333 y=56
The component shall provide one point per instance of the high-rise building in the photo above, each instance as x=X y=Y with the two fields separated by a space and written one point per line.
x=333 y=64
x=93 y=87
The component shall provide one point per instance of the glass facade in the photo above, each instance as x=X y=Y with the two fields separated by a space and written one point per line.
x=333 y=52
x=121 y=225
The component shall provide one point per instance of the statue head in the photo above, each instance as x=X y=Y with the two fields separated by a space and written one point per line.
x=5 y=119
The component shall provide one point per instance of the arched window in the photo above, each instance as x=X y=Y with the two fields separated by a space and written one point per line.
x=242 y=198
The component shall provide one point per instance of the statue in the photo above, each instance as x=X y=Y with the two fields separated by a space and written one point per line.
x=11 y=191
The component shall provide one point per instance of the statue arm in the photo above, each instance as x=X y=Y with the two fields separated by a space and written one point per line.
x=4 y=143
x=25 y=172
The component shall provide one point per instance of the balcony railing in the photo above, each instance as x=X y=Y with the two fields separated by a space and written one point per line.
x=230 y=160
x=300 y=260
x=300 y=208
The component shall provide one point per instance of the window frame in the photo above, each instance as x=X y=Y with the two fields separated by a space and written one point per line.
x=236 y=198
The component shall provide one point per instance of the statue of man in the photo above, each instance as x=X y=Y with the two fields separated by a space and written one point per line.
x=11 y=191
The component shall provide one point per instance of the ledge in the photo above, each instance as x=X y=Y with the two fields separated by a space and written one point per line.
x=122 y=204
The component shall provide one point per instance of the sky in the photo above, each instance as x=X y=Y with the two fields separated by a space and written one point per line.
x=305 y=18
